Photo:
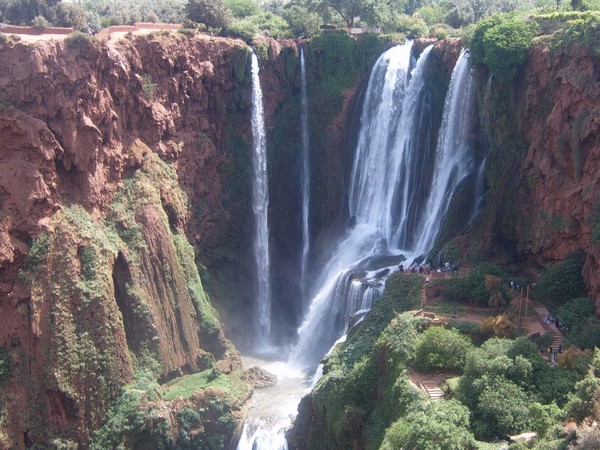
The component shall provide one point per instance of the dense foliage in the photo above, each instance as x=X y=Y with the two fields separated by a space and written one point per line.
x=212 y=13
x=246 y=18
x=439 y=426
x=506 y=388
x=438 y=348
x=563 y=281
x=472 y=288
x=502 y=43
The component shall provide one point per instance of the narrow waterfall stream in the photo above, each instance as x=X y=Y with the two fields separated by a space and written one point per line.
x=401 y=187
x=305 y=177
x=260 y=207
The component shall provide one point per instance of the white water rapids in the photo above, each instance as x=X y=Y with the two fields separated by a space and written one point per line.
x=400 y=189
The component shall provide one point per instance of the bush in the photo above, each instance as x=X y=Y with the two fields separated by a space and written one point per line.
x=188 y=32
x=244 y=29
x=40 y=22
x=272 y=25
x=575 y=313
x=563 y=281
x=242 y=8
x=506 y=47
x=78 y=39
x=432 y=14
x=442 y=425
x=149 y=87
x=471 y=288
x=301 y=22
x=38 y=251
x=465 y=327
x=212 y=13
x=438 y=348
x=588 y=337
x=411 y=26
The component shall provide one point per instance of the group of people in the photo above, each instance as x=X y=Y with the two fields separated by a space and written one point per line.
x=426 y=268
x=552 y=351
x=549 y=320
x=415 y=268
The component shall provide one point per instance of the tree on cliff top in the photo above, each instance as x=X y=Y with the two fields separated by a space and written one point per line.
x=369 y=11
x=211 y=13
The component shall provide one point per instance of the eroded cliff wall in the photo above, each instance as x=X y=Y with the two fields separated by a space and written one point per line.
x=543 y=138
x=113 y=157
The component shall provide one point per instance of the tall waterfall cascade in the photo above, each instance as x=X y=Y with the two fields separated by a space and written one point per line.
x=399 y=192
x=260 y=207
x=401 y=186
x=305 y=174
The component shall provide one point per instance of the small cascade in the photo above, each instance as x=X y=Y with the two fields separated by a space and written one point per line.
x=305 y=174
x=479 y=191
x=260 y=207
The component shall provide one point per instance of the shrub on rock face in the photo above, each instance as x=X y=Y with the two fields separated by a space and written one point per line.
x=563 y=281
x=78 y=39
x=506 y=47
x=501 y=43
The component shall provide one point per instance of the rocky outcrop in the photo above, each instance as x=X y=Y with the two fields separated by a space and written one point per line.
x=543 y=135
x=108 y=166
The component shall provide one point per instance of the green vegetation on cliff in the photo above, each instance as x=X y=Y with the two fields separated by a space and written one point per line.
x=354 y=401
x=122 y=294
x=502 y=387
x=195 y=411
x=502 y=43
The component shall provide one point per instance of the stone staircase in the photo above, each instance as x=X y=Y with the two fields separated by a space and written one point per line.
x=432 y=389
x=557 y=339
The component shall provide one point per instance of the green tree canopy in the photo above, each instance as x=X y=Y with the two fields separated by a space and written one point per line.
x=242 y=8
x=212 y=13
x=301 y=21
x=438 y=348
x=443 y=425
x=506 y=48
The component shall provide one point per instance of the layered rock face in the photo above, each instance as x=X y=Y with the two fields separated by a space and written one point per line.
x=112 y=155
x=543 y=136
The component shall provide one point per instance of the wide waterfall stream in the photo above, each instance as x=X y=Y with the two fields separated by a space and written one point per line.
x=401 y=187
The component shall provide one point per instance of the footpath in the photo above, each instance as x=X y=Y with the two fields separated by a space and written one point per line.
x=536 y=326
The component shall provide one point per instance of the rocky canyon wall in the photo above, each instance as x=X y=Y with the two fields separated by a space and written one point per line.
x=113 y=157
x=543 y=138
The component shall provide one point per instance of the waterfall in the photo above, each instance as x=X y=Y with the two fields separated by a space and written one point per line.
x=400 y=188
x=260 y=207
x=454 y=161
x=305 y=175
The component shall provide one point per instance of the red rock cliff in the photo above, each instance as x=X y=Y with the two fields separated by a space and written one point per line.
x=544 y=137
x=110 y=276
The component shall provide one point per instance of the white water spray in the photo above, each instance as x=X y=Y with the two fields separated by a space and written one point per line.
x=453 y=161
x=260 y=207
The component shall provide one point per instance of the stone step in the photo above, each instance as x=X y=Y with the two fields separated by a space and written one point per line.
x=432 y=389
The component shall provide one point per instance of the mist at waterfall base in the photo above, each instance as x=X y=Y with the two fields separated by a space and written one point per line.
x=402 y=183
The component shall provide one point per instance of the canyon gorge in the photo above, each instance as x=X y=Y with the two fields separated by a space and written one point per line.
x=127 y=259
